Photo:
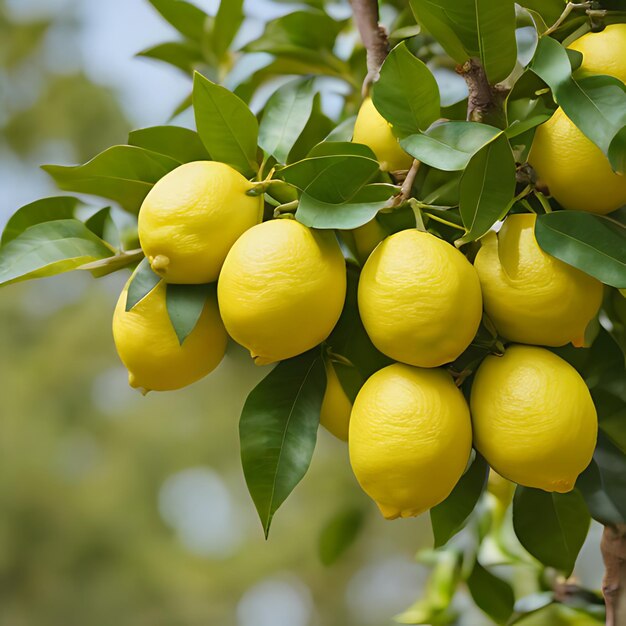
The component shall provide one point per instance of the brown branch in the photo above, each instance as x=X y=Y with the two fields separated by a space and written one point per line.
x=484 y=102
x=373 y=36
x=407 y=186
x=613 y=548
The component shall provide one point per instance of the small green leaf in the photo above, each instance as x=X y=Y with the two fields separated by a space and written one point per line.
x=352 y=212
x=449 y=146
x=227 y=127
x=50 y=248
x=603 y=483
x=406 y=94
x=284 y=118
x=491 y=594
x=617 y=151
x=484 y=29
x=143 y=281
x=278 y=430
x=124 y=174
x=185 y=17
x=339 y=534
x=44 y=210
x=185 y=55
x=551 y=526
x=487 y=188
x=181 y=144
x=227 y=22
x=592 y=243
x=184 y=306
x=450 y=516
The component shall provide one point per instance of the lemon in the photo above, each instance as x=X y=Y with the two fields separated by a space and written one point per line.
x=373 y=130
x=410 y=438
x=191 y=218
x=574 y=169
x=336 y=406
x=601 y=52
x=282 y=289
x=534 y=420
x=419 y=299
x=367 y=237
x=530 y=296
x=149 y=348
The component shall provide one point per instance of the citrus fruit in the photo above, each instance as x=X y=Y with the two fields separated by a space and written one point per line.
x=373 y=130
x=191 y=218
x=149 y=347
x=410 y=438
x=367 y=237
x=601 y=52
x=530 y=296
x=534 y=420
x=419 y=299
x=336 y=406
x=573 y=168
x=282 y=289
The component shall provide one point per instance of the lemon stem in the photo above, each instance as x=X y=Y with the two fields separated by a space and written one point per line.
x=544 y=202
x=569 y=7
x=287 y=207
x=446 y=222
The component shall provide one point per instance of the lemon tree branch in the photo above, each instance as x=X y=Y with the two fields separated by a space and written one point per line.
x=613 y=548
x=373 y=36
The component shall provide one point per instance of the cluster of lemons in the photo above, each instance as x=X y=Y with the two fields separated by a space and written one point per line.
x=281 y=288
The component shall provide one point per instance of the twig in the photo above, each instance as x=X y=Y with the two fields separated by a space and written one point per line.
x=484 y=102
x=571 y=6
x=373 y=36
x=407 y=186
x=613 y=548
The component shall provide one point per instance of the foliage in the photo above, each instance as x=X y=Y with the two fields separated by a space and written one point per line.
x=287 y=149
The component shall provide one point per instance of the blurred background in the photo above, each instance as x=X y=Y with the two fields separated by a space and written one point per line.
x=120 y=509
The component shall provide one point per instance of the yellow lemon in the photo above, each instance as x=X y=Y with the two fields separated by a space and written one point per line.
x=367 y=237
x=191 y=218
x=336 y=406
x=373 y=130
x=534 y=420
x=410 y=438
x=603 y=52
x=530 y=296
x=149 y=348
x=574 y=169
x=282 y=289
x=419 y=299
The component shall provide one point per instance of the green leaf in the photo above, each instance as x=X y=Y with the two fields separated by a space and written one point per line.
x=484 y=29
x=617 y=151
x=406 y=94
x=44 y=210
x=339 y=534
x=449 y=146
x=50 y=248
x=491 y=594
x=184 y=55
x=226 y=126
x=592 y=243
x=353 y=211
x=450 y=516
x=297 y=32
x=612 y=409
x=227 y=22
x=595 y=104
x=124 y=174
x=349 y=165
x=487 y=188
x=284 y=118
x=181 y=144
x=549 y=10
x=143 y=281
x=278 y=430
x=184 y=306
x=185 y=17
x=603 y=483
x=101 y=223
x=551 y=526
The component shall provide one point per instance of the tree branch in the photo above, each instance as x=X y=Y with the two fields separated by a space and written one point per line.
x=484 y=102
x=613 y=548
x=373 y=36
